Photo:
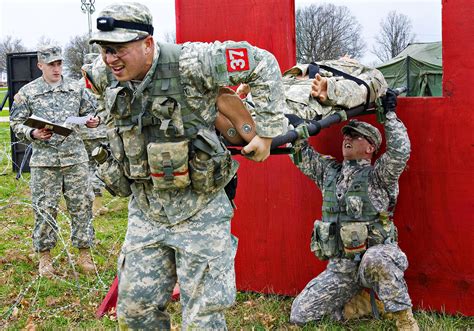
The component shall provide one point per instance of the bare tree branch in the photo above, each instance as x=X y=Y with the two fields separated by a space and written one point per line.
x=8 y=44
x=327 y=32
x=44 y=40
x=74 y=54
x=395 y=34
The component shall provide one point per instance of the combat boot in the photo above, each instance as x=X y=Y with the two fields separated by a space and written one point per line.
x=46 y=265
x=405 y=321
x=98 y=208
x=359 y=306
x=84 y=262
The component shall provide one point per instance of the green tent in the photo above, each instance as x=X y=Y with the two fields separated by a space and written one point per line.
x=419 y=67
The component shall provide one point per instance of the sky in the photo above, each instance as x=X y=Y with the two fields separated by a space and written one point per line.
x=60 y=20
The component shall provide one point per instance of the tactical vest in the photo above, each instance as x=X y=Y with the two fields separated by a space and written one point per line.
x=166 y=87
x=159 y=136
x=346 y=231
x=335 y=210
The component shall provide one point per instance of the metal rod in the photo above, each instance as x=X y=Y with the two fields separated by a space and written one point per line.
x=87 y=7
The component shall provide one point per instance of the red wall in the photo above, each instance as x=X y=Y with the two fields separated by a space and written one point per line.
x=277 y=205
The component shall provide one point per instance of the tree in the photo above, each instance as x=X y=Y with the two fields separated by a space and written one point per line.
x=74 y=54
x=9 y=44
x=44 y=40
x=327 y=32
x=395 y=34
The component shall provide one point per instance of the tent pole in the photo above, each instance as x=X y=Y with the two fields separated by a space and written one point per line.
x=408 y=77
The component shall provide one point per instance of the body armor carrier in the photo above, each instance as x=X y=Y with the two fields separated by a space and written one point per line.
x=158 y=136
x=351 y=224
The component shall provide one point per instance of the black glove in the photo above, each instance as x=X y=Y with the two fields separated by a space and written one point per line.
x=294 y=120
x=313 y=69
x=389 y=101
x=300 y=125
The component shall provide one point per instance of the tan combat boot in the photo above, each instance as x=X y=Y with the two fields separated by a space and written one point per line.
x=405 y=321
x=359 y=306
x=46 y=265
x=98 y=208
x=84 y=262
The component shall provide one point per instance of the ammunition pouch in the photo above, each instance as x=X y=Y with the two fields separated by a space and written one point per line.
x=349 y=239
x=169 y=164
x=382 y=233
x=324 y=240
x=211 y=165
x=115 y=144
x=134 y=148
x=354 y=239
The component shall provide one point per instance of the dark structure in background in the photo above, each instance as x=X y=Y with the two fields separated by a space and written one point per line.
x=21 y=69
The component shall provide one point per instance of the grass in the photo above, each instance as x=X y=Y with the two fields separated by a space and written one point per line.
x=71 y=300
x=3 y=92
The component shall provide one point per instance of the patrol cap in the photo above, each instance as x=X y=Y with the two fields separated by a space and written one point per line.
x=370 y=132
x=123 y=22
x=49 y=53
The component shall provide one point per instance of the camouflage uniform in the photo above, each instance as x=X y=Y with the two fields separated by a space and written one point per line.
x=382 y=266
x=181 y=235
x=341 y=92
x=93 y=137
x=59 y=165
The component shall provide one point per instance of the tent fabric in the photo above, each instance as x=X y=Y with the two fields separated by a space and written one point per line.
x=419 y=67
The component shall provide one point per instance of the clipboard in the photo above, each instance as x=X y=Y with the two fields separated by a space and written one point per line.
x=39 y=123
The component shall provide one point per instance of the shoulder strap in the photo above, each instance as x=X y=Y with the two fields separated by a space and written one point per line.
x=350 y=77
x=167 y=69
x=168 y=83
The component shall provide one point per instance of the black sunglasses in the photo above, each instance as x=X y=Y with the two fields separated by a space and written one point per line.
x=355 y=135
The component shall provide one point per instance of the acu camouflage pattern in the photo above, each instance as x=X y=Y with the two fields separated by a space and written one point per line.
x=90 y=144
x=347 y=93
x=94 y=63
x=55 y=105
x=199 y=253
x=93 y=137
x=298 y=95
x=130 y=12
x=382 y=266
x=89 y=58
x=49 y=53
x=201 y=83
x=59 y=164
x=181 y=235
x=370 y=132
x=47 y=184
x=201 y=66
x=383 y=183
x=341 y=92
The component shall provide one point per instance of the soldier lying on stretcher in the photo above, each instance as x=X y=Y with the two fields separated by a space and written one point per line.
x=311 y=92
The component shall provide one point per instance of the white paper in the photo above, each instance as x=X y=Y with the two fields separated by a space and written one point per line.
x=80 y=120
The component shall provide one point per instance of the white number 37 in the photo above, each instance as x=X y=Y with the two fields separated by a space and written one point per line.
x=237 y=59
